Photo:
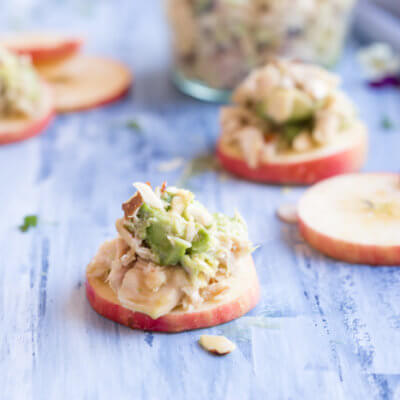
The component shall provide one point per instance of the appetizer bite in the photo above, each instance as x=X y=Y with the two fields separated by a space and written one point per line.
x=291 y=124
x=174 y=266
x=41 y=46
x=86 y=82
x=26 y=105
x=354 y=218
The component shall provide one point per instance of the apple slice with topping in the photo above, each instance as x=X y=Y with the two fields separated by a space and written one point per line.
x=42 y=47
x=346 y=154
x=354 y=218
x=85 y=82
x=291 y=123
x=242 y=296
x=13 y=129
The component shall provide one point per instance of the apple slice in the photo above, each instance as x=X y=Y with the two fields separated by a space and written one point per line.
x=85 y=82
x=354 y=218
x=346 y=154
x=14 y=129
x=42 y=47
x=240 y=298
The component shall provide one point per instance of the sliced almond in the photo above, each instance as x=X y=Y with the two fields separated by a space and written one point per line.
x=215 y=344
x=287 y=213
x=130 y=206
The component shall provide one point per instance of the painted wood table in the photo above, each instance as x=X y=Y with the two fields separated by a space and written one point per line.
x=323 y=329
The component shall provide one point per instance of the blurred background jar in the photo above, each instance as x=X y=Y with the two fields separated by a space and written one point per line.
x=218 y=42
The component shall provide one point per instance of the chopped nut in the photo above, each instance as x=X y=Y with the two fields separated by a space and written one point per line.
x=287 y=213
x=130 y=206
x=219 y=345
x=302 y=142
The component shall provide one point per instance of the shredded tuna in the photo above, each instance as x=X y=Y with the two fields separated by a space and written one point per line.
x=263 y=121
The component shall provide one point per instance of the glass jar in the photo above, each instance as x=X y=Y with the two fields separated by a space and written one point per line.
x=218 y=42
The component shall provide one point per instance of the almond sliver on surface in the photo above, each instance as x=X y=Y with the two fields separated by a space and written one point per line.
x=85 y=82
x=217 y=344
x=354 y=217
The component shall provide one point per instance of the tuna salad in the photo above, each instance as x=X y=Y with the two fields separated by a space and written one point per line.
x=285 y=107
x=20 y=86
x=170 y=253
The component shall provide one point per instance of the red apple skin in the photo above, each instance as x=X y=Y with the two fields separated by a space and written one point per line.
x=301 y=173
x=116 y=97
x=31 y=128
x=354 y=253
x=66 y=49
x=175 y=322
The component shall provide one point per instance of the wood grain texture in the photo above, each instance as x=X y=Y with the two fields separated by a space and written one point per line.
x=323 y=329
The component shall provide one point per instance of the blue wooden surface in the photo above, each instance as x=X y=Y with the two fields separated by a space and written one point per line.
x=323 y=329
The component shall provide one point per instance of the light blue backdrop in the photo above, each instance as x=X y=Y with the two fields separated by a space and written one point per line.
x=323 y=329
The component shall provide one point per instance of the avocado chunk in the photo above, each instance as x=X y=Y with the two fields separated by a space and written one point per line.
x=201 y=242
x=286 y=106
x=303 y=107
x=162 y=235
x=169 y=249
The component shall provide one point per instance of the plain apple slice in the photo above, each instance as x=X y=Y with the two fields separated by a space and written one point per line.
x=15 y=129
x=85 y=82
x=243 y=295
x=354 y=218
x=346 y=154
x=42 y=47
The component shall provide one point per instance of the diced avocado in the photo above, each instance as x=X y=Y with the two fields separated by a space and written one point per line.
x=199 y=263
x=170 y=249
x=286 y=105
x=303 y=107
x=291 y=130
x=201 y=242
x=162 y=233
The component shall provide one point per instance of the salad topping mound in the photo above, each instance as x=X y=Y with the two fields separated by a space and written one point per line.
x=19 y=85
x=171 y=253
x=283 y=107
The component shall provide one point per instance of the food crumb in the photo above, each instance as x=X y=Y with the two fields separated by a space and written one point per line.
x=286 y=189
x=30 y=221
x=215 y=344
x=170 y=165
x=386 y=123
x=287 y=213
x=134 y=125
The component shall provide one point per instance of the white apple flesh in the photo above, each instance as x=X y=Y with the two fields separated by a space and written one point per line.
x=86 y=82
x=242 y=296
x=354 y=218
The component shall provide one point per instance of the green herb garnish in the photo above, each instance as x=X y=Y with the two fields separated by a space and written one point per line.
x=134 y=125
x=30 y=221
x=386 y=123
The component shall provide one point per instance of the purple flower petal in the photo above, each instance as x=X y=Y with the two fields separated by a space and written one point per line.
x=386 y=81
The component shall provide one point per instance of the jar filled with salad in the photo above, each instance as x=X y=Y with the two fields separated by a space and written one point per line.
x=218 y=42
